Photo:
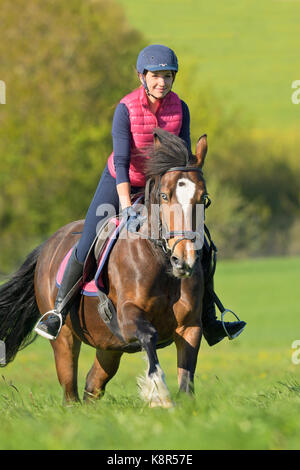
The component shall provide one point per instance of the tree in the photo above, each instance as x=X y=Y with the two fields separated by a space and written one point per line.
x=65 y=66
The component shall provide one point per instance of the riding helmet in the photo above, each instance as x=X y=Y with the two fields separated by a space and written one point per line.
x=156 y=57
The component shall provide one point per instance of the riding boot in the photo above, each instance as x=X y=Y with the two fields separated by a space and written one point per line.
x=213 y=329
x=51 y=322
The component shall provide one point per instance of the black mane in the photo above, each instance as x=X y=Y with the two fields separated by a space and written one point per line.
x=171 y=151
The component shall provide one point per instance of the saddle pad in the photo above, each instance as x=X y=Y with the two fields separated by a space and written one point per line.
x=90 y=289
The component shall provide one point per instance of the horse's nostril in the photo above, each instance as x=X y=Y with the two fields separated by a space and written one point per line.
x=175 y=260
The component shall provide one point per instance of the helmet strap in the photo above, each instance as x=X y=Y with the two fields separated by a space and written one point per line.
x=147 y=89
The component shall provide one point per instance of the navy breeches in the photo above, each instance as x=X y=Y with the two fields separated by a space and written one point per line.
x=105 y=204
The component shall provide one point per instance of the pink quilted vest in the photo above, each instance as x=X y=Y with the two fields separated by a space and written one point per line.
x=142 y=123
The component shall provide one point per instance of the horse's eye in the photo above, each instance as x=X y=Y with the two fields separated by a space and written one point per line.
x=164 y=196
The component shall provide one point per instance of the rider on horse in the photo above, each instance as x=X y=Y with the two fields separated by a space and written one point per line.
x=150 y=106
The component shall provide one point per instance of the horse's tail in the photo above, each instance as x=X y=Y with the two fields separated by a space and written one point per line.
x=18 y=309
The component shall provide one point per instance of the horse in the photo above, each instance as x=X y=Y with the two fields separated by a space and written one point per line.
x=155 y=285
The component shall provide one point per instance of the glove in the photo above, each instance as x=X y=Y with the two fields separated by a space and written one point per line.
x=132 y=219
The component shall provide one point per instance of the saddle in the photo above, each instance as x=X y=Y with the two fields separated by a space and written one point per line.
x=99 y=251
x=94 y=281
x=102 y=246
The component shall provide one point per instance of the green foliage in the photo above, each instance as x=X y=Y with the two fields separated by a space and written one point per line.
x=234 y=224
x=246 y=50
x=237 y=61
x=65 y=68
x=253 y=181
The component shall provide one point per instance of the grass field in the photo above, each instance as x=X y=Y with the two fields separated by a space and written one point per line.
x=247 y=390
x=247 y=50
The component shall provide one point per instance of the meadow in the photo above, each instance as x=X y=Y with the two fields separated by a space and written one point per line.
x=247 y=390
x=246 y=51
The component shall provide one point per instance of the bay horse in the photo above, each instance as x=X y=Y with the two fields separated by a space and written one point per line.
x=156 y=287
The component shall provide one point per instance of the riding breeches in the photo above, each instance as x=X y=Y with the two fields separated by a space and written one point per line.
x=105 y=204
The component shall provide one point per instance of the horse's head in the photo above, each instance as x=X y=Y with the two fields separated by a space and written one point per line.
x=180 y=193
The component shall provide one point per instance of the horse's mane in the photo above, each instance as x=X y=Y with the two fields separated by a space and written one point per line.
x=171 y=152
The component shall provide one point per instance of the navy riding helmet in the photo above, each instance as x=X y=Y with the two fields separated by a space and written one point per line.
x=155 y=58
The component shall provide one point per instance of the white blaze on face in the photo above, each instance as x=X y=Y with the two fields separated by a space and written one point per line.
x=185 y=191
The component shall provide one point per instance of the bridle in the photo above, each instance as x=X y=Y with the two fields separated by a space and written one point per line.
x=167 y=235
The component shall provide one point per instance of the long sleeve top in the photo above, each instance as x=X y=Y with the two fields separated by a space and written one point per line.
x=121 y=139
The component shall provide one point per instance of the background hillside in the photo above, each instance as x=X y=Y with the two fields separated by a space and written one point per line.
x=247 y=50
x=65 y=69
x=238 y=60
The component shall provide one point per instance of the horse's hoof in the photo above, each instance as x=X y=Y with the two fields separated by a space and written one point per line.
x=159 y=404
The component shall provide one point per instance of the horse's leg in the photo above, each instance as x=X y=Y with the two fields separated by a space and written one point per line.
x=104 y=368
x=153 y=388
x=187 y=340
x=66 y=352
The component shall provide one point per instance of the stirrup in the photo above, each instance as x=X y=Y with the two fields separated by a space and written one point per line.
x=43 y=333
x=223 y=323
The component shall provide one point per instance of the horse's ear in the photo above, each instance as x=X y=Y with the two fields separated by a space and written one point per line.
x=156 y=139
x=201 y=150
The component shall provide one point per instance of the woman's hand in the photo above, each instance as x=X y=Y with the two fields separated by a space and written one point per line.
x=132 y=219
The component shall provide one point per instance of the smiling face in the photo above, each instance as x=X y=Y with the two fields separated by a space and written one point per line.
x=159 y=83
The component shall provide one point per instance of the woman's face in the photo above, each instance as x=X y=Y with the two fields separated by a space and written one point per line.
x=159 y=83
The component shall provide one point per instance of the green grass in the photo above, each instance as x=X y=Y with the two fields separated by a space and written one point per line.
x=247 y=50
x=247 y=390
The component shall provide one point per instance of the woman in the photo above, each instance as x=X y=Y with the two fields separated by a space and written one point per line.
x=138 y=113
